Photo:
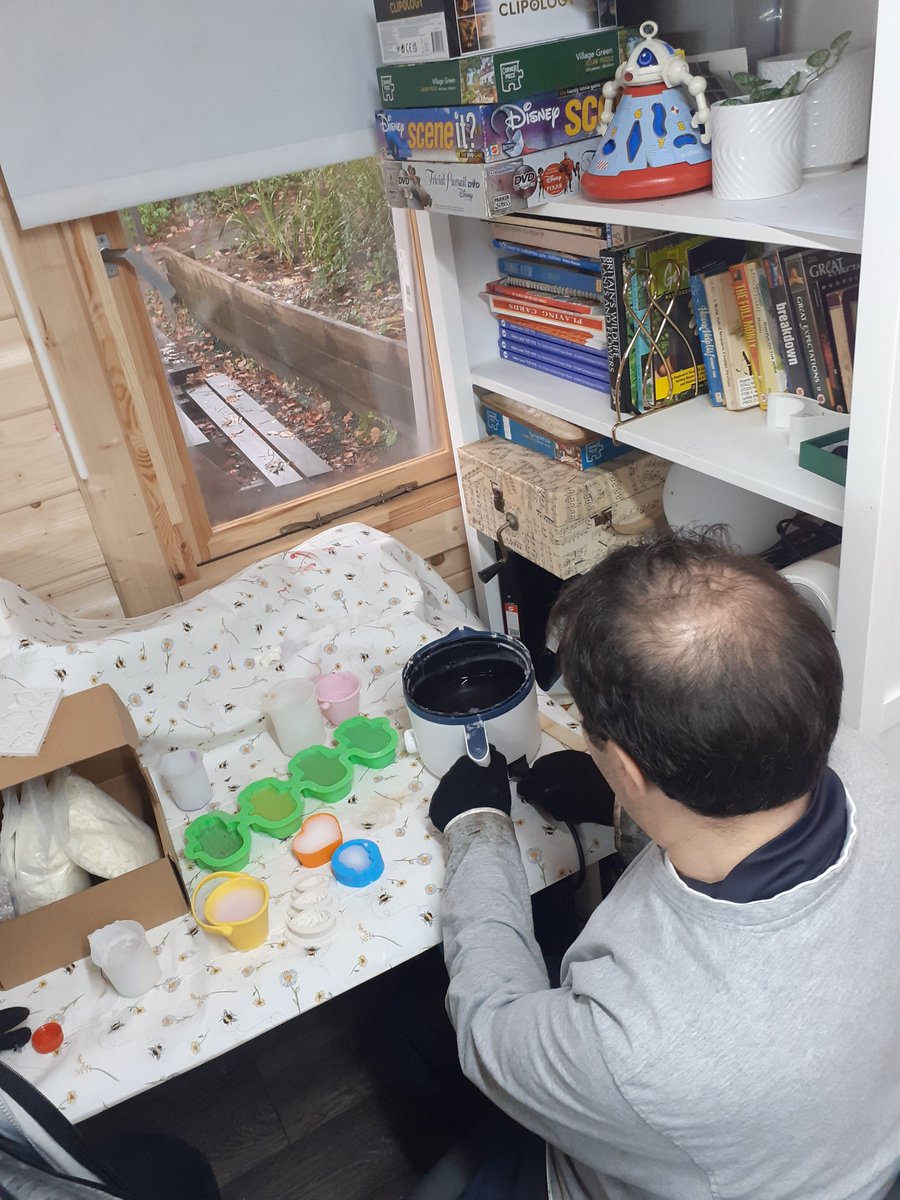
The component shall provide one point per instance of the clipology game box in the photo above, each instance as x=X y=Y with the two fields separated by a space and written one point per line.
x=488 y=189
x=418 y=30
x=588 y=60
x=487 y=132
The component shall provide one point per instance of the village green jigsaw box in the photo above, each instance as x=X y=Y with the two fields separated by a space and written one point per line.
x=488 y=189
x=567 y=520
x=416 y=30
x=586 y=61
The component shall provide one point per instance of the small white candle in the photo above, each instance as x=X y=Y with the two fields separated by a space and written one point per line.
x=186 y=779
x=123 y=954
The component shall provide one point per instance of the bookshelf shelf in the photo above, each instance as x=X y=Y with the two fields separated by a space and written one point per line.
x=735 y=447
x=826 y=213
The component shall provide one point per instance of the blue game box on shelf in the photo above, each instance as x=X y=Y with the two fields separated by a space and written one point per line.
x=545 y=435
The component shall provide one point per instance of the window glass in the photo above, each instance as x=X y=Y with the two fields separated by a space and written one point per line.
x=292 y=343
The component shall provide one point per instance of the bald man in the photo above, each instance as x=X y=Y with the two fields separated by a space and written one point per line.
x=728 y=1021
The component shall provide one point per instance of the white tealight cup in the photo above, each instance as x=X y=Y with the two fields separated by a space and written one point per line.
x=186 y=779
x=295 y=715
x=123 y=954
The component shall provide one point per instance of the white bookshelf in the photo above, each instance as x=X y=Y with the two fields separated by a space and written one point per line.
x=826 y=213
x=733 y=446
x=855 y=212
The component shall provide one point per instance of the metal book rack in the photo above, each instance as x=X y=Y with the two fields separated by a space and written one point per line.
x=656 y=325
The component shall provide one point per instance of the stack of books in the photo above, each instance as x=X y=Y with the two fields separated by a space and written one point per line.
x=548 y=302
x=784 y=322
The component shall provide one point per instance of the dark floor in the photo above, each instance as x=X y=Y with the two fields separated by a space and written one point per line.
x=312 y=1109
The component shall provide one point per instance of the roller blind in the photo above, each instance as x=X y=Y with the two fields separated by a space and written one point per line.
x=109 y=103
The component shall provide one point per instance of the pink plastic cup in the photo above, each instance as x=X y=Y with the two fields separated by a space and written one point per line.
x=338 y=696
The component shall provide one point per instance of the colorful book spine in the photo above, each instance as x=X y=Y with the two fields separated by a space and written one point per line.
x=611 y=278
x=741 y=284
x=567 y=302
x=837 y=319
x=503 y=306
x=767 y=330
x=584 y=338
x=707 y=341
x=549 y=289
x=516 y=332
x=560 y=241
x=559 y=372
x=543 y=254
x=791 y=350
x=572 y=358
x=524 y=268
x=795 y=276
x=734 y=363
x=827 y=271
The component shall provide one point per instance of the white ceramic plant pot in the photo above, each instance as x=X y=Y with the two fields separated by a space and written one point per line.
x=756 y=148
x=836 y=126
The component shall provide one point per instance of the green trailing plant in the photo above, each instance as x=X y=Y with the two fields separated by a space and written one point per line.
x=756 y=90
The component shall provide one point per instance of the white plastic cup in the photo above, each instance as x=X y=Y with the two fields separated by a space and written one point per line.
x=186 y=779
x=123 y=954
x=295 y=716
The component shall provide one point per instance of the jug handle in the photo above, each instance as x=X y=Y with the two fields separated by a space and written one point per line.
x=477 y=746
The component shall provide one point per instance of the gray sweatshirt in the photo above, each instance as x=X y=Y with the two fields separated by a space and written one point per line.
x=697 y=1048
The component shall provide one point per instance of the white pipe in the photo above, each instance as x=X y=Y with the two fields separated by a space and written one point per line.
x=26 y=313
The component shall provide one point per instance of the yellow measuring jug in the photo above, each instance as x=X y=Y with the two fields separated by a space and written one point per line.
x=235 y=905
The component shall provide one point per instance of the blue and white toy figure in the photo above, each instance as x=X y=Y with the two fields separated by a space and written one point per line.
x=654 y=144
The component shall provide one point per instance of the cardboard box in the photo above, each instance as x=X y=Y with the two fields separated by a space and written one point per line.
x=826 y=455
x=488 y=189
x=488 y=132
x=585 y=61
x=92 y=732
x=567 y=521
x=555 y=439
x=417 y=30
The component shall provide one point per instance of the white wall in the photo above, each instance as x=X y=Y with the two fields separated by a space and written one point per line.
x=810 y=24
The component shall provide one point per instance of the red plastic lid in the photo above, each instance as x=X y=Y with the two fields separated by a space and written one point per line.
x=47 y=1038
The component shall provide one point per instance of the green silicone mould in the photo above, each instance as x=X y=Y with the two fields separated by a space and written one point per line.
x=218 y=841
x=323 y=773
x=368 y=741
x=271 y=806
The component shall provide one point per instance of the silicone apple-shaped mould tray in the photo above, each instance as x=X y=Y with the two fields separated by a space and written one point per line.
x=271 y=806
x=323 y=773
x=218 y=841
x=367 y=741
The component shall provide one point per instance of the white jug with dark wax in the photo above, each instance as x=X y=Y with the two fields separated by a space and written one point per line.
x=470 y=690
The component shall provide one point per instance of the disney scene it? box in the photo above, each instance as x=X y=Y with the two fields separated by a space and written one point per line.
x=487 y=132
x=418 y=30
x=588 y=60
x=488 y=189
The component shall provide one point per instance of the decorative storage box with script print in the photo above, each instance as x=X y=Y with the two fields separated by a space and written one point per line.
x=566 y=521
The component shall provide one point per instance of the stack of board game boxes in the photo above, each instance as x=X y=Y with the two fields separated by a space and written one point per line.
x=503 y=128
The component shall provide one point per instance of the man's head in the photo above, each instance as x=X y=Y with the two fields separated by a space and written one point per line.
x=707 y=669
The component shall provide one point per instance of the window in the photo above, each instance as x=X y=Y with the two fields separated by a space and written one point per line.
x=294 y=345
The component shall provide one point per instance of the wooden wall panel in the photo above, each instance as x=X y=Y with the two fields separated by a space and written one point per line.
x=21 y=389
x=43 y=546
x=33 y=463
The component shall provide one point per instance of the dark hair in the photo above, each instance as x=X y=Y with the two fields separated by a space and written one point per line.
x=707 y=668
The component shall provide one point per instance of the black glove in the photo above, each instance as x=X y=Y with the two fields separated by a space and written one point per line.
x=568 y=787
x=467 y=786
x=12 y=1038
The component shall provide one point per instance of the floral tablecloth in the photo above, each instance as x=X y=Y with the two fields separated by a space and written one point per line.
x=194 y=675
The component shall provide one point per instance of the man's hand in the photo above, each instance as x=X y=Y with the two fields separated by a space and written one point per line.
x=568 y=787
x=467 y=786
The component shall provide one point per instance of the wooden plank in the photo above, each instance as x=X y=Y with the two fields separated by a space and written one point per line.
x=435 y=534
x=45 y=543
x=451 y=562
x=430 y=468
x=253 y=447
x=362 y=370
x=305 y=460
x=461 y=582
x=21 y=386
x=69 y=313
x=33 y=462
x=193 y=436
x=89 y=594
x=7 y=308
x=435 y=498
x=192 y=522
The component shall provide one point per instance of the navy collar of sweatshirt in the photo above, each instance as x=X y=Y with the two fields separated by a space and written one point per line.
x=809 y=847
